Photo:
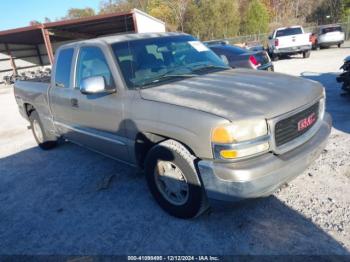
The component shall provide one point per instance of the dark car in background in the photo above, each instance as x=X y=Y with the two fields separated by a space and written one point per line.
x=235 y=57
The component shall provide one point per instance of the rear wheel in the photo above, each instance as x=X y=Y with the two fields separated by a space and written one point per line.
x=174 y=181
x=339 y=45
x=306 y=54
x=44 y=140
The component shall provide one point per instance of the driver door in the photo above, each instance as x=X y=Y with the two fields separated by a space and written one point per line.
x=98 y=118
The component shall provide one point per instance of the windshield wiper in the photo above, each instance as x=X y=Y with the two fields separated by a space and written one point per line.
x=164 y=77
x=208 y=67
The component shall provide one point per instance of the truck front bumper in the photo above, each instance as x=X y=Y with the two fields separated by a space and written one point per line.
x=263 y=175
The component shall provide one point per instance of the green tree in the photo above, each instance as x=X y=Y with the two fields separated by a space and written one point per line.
x=178 y=8
x=161 y=10
x=34 y=22
x=79 y=12
x=256 y=19
x=229 y=23
x=111 y=6
x=330 y=11
x=193 y=22
x=209 y=19
x=345 y=10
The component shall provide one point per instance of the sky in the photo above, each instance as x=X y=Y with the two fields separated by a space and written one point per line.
x=18 y=13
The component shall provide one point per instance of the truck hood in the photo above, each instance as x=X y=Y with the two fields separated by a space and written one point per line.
x=238 y=93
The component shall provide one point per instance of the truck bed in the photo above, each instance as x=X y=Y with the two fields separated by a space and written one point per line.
x=32 y=92
x=44 y=79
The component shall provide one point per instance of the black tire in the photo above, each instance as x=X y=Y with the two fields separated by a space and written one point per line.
x=174 y=152
x=48 y=141
x=339 y=45
x=317 y=47
x=306 y=54
x=274 y=57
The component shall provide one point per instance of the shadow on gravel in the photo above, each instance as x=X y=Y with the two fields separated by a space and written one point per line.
x=52 y=203
x=336 y=104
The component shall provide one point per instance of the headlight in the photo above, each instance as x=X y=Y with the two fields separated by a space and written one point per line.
x=239 y=131
x=240 y=139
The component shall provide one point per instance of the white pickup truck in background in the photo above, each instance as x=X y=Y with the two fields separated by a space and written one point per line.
x=289 y=41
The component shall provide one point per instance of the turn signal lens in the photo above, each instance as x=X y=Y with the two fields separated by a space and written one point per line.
x=222 y=135
x=228 y=154
x=236 y=153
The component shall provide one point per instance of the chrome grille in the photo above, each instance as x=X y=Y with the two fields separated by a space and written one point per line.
x=287 y=129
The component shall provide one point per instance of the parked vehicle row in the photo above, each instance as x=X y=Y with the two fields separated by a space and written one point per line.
x=237 y=57
x=167 y=104
x=283 y=41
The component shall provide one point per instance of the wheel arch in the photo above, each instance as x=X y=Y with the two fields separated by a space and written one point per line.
x=144 y=141
x=28 y=108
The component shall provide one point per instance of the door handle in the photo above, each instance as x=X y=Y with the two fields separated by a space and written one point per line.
x=74 y=102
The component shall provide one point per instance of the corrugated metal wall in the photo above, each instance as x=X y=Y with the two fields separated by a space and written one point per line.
x=30 y=60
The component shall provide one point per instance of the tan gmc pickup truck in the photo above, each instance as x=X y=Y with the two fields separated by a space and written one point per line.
x=167 y=104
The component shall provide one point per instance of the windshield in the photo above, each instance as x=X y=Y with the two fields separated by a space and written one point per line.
x=289 y=31
x=152 y=61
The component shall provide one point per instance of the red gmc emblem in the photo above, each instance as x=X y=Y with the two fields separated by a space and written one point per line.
x=306 y=122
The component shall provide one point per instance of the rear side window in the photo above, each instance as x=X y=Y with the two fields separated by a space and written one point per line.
x=331 y=29
x=63 y=67
x=289 y=31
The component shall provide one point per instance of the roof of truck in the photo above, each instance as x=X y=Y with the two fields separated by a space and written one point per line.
x=135 y=36
x=124 y=37
x=327 y=26
x=283 y=28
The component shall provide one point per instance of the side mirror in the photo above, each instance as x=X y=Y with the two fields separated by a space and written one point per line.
x=270 y=37
x=94 y=85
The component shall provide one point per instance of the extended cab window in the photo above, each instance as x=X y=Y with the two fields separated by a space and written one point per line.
x=92 y=62
x=63 y=67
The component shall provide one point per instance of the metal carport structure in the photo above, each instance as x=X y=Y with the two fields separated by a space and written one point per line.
x=38 y=41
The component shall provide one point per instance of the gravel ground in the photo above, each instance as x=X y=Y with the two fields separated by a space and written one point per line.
x=73 y=201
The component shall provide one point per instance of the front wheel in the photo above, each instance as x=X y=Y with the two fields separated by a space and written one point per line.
x=274 y=57
x=174 y=181
x=44 y=140
x=306 y=54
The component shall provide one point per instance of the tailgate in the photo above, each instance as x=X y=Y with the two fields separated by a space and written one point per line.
x=332 y=37
x=293 y=40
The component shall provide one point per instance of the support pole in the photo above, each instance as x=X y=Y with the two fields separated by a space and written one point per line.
x=12 y=61
x=39 y=55
x=48 y=45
